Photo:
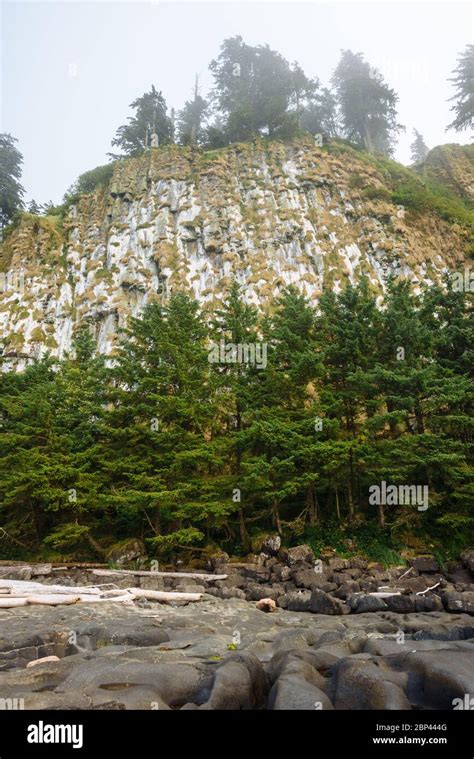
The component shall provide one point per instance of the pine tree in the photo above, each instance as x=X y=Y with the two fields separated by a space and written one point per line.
x=191 y=128
x=157 y=454
x=151 y=116
x=11 y=191
x=254 y=89
x=367 y=104
x=463 y=80
x=419 y=149
x=234 y=324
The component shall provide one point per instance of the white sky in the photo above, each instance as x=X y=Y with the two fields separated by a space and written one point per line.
x=70 y=69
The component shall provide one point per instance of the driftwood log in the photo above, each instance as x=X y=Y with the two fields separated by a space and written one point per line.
x=176 y=575
x=23 y=592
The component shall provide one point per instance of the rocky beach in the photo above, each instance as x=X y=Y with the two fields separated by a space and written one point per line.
x=275 y=632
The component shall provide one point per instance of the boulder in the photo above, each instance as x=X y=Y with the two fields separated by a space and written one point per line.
x=226 y=593
x=270 y=545
x=308 y=578
x=458 y=573
x=239 y=684
x=126 y=551
x=323 y=603
x=458 y=602
x=217 y=559
x=360 y=604
x=338 y=565
x=295 y=600
x=256 y=591
x=429 y=602
x=400 y=604
x=150 y=583
x=467 y=558
x=347 y=589
x=415 y=584
x=283 y=662
x=302 y=553
x=360 y=684
x=293 y=693
x=424 y=564
x=437 y=678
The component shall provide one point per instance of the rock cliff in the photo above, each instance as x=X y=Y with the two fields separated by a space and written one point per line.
x=266 y=213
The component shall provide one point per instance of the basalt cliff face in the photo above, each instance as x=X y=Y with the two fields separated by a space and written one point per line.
x=266 y=213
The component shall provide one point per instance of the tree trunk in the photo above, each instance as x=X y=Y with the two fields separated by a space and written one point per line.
x=244 y=536
x=94 y=544
x=338 y=510
x=381 y=515
x=312 y=505
x=420 y=424
x=276 y=517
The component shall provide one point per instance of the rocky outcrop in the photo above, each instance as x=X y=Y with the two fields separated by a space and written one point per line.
x=229 y=655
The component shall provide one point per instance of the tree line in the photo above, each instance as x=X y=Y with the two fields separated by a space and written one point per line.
x=185 y=441
x=258 y=93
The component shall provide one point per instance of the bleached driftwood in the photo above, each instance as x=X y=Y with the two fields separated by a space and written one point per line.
x=175 y=575
x=52 y=599
x=422 y=592
x=23 y=592
x=28 y=587
x=386 y=594
x=406 y=573
x=164 y=595
x=9 y=603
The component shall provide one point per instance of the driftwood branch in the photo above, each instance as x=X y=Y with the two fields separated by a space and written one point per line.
x=176 y=575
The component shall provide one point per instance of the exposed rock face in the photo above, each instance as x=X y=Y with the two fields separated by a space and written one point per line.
x=268 y=214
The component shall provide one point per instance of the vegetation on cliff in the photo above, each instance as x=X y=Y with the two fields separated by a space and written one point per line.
x=184 y=447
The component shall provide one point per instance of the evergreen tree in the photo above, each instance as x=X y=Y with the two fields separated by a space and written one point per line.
x=191 y=129
x=463 y=80
x=11 y=191
x=320 y=114
x=254 y=88
x=49 y=447
x=235 y=324
x=157 y=452
x=367 y=104
x=151 y=116
x=419 y=149
x=34 y=207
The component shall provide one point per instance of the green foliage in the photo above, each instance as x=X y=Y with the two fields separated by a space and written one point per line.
x=463 y=80
x=191 y=120
x=160 y=444
x=257 y=92
x=90 y=180
x=367 y=104
x=11 y=191
x=419 y=149
x=66 y=535
x=150 y=117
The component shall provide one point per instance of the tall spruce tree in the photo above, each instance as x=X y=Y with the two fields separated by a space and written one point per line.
x=150 y=116
x=463 y=81
x=367 y=104
x=11 y=191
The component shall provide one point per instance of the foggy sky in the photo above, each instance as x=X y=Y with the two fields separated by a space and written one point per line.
x=69 y=70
